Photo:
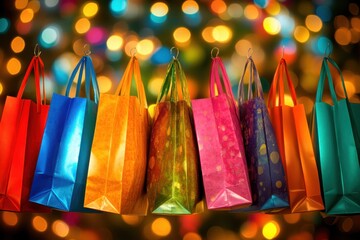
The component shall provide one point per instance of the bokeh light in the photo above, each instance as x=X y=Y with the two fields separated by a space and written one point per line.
x=4 y=25
x=301 y=34
x=90 y=9
x=13 y=66
x=271 y=25
x=154 y=85
x=10 y=218
x=249 y=230
x=273 y=8
x=105 y=83
x=50 y=36
x=262 y=3
x=271 y=230
x=114 y=42
x=117 y=7
x=182 y=35
x=27 y=15
x=343 y=36
x=131 y=220
x=82 y=25
x=251 y=12
x=51 y=3
x=21 y=4
x=159 y=9
x=60 y=228
x=96 y=35
x=190 y=7
x=192 y=236
x=1 y=88
x=222 y=33
x=39 y=224
x=218 y=6
x=313 y=23
x=145 y=47
x=207 y=34
x=235 y=10
x=34 y=5
x=17 y=44
x=161 y=227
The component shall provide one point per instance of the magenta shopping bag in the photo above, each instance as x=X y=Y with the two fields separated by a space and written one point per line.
x=221 y=148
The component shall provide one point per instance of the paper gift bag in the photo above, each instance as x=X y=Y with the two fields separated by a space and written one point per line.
x=117 y=168
x=335 y=137
x=21 y=128
x=173 y=177
x=266 y=172
x=294 y=142
x=221 y=147
x=60 y=175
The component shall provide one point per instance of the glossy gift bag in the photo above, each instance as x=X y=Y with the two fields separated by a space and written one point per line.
x=21 y=129
x=173 y=171
x=60 y=175
x=116 y=175
x=336 y=141
x=294 y=141
x=221 y=147
x=266 y=172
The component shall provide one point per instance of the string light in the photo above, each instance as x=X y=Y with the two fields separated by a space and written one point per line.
x=21 y=4
x=222 y=33
x=17 y=44
x=182 y=35
x=145 y=47
x=90 y=9
x=161 y=227
x=313 y=23
x=60 y=228
x=39 y=223
x=271 y=25
x=27 y=15
x=13 y=66
x=271 y=230
x=82 y=25
x=114 y=42
x=190 y=7
x=251 y=12
x=301 y=34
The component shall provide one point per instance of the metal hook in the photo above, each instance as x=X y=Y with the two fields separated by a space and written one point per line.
x=133 y=52
x=216 y=54
x=37 y=51
x=177 y=52
x=326 y=50
x=87 y=51
x=250 y=53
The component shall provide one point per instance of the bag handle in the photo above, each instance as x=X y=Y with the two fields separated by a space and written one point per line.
x=278 y=84
x=132 y=69
x=37 y=65
x=254 y=77
x=216 y=82
x=174 y=73
x=90 y=78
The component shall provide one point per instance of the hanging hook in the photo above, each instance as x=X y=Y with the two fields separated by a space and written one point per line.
x=37 y=51
x=133 y=52
x=326 y=54
x=87 y=50
x=212 y=52
x=177 y=52
x=250 y=53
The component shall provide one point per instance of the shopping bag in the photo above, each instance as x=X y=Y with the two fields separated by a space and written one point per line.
x=221 y=148
x=173 y=172
x=21 y=128
x=266 y=172
x=294 y=142
x=117 y=168
x=335 y=137
x=60 y=175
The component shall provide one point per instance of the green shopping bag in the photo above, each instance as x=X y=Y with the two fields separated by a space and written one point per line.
x=336 y=143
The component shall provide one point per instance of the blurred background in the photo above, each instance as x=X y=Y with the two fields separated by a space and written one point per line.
x=302 y=31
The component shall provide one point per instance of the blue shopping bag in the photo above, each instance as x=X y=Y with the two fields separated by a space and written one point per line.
x=61 y=170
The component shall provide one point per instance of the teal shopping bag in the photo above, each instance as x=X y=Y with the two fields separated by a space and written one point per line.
x=335 y=138
x=61 y=170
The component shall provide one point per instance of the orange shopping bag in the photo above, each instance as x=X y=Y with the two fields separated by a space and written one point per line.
x=116 y=175
x=295 y=145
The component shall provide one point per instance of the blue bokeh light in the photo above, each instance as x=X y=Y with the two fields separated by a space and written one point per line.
x=50 y=36
x=4 y=25
x=118 y=7
x=161 y=56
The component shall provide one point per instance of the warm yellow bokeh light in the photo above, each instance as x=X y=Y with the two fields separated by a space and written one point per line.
x=222 y=33
x=21 y=4
x=145 y=47
x=295 y=217
x=182 y=35
x=131 y=219
x=273 y=8
x=242 y=47
x=271 y=230
x=82 y=25
x=105 y=84
x=26 y=15
x=235 y=10
x=154 y=85
x=13 y=66
x=17 y=44
x=34 y=5
x=218 y=6
x=192 y=236
x=161 y=227
x=350 y=89
x=90 y=9
x=190 y=7
x=130 y=46
x=301 y=34
x=313 y=23
x=251 y=12
x=159 y=9
x=271 y=25
x=207 y=34
x=10 y=218
x=343 y=36
x=249 y=230
x=308 y=105
x=60 y=228
x=114 y=42
x=1 y=88
x=39 y=224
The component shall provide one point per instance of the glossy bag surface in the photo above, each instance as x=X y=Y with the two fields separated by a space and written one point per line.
x=336 y=141
x=60 y=175
x=21 y=129
x=221 y=148
x=295 y=145
x=173 y=171
x=117 y=168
